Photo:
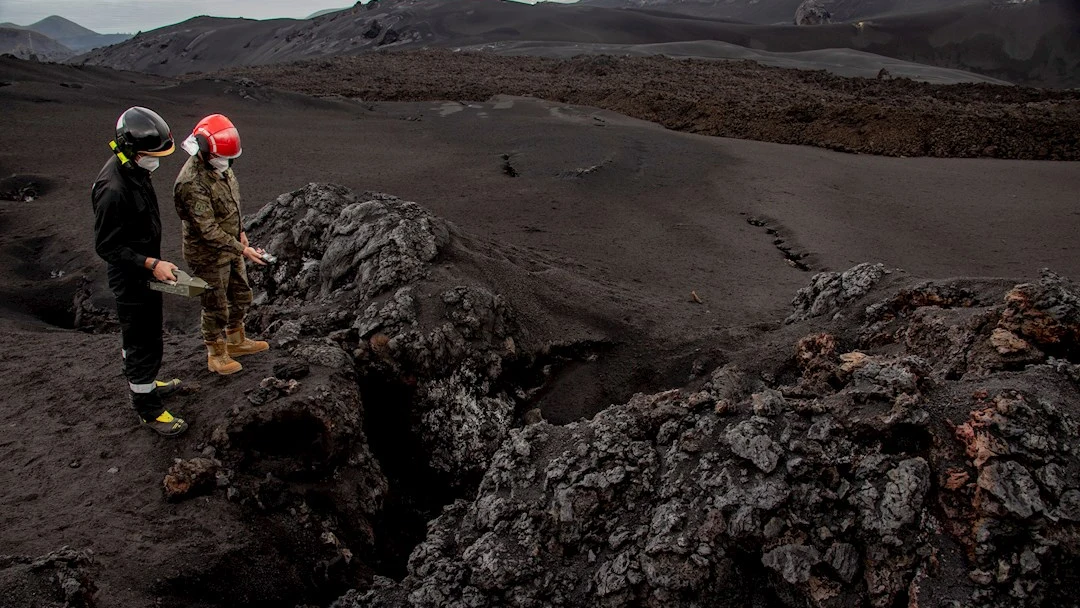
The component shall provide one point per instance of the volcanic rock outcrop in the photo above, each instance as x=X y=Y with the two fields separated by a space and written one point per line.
x=916 y=447
x=422 y=364
x=362 y=279
x=296 y=459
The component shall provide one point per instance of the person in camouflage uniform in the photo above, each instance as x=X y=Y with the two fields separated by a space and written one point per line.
x=207 y=198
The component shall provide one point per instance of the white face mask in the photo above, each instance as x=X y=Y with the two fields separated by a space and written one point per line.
x=150 y=163
x=221 y=164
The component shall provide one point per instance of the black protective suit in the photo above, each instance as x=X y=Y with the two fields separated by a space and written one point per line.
x=127 y=231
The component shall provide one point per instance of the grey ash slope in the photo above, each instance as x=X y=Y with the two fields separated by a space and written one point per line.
x=781 y=11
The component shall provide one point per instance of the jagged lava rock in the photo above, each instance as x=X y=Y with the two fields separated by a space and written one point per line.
x=363 y=272
x=904 y=476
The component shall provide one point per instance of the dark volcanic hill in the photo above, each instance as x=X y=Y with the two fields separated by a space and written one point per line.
x=70 y=34
x=1023 y=43
x=58 y=28
x=28 y=44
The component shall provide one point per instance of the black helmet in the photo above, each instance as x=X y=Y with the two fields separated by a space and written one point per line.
x=140 y=130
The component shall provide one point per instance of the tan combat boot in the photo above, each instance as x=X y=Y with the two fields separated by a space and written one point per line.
x=218 y=359
x=239 y=344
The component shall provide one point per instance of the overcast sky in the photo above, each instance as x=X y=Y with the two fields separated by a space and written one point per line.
x=130 y=16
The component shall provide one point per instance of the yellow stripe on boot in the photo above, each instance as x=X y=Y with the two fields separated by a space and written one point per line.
x=167 y=425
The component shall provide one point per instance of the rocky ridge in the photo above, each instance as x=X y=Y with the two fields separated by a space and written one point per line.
x=358 y=274
x=424 y=367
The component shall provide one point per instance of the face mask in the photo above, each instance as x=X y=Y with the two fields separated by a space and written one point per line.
x=150 y=163
x=221 y=164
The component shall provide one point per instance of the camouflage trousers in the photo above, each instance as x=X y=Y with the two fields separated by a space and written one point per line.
x=226 y=305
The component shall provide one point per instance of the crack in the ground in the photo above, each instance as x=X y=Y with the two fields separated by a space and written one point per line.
x=793 y=258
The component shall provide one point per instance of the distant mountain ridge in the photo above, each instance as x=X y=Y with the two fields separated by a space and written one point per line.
x=28 y=44
x=58 y=28
x=67 y=33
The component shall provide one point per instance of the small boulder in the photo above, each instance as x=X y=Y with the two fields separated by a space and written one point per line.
x=1010 y=483
x=750 y=440
x=189 y=478
x=793 y=562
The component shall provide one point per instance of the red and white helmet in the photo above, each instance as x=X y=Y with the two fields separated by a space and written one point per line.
x=214 y=136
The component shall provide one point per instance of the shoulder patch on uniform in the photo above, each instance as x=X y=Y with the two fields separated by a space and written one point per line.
x=202 y=206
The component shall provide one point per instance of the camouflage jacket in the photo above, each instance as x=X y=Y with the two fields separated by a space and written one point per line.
x=209 y=206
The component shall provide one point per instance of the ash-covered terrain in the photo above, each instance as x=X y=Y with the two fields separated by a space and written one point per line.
x=532 y=348
x=782 y=11
x=894 y=440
